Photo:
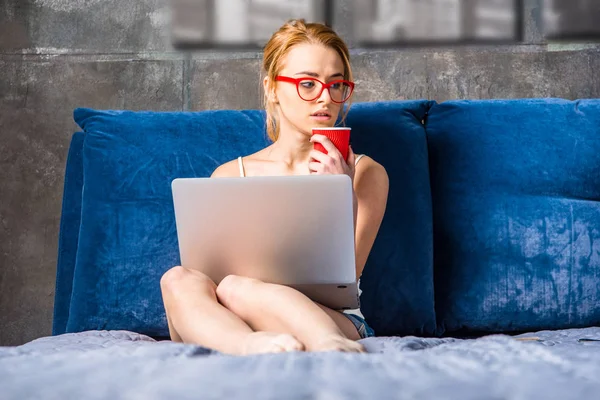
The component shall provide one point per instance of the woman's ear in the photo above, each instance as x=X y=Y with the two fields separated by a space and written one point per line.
x=270 y=90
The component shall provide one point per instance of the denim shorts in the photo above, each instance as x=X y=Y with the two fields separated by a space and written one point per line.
x=364 y=330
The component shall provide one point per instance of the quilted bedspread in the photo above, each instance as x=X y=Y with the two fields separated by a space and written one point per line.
x=120 y=364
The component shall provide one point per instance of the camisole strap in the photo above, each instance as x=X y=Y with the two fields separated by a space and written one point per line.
x=358 y=157
x=241 y=165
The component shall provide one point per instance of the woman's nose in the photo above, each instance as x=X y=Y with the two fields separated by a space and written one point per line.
x=325 y=96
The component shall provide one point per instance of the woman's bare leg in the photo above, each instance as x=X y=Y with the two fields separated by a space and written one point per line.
x=277 y=308
x=195 y=316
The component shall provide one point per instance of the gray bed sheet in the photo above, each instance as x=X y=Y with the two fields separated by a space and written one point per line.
x=126 y=365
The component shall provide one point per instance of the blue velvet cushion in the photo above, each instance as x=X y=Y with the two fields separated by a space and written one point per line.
x=127 y=238
x=515 y=189
x=69 y=233
x=397 y=281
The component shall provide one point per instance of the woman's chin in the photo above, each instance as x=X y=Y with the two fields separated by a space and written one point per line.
x=322 y=123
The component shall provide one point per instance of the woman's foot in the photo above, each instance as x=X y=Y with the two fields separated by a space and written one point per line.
x=336 y=342
x=268 y=342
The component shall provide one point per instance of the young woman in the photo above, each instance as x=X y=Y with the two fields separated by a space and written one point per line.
x=307 y=80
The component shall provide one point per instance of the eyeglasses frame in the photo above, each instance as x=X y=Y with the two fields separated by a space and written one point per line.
x=324 y=86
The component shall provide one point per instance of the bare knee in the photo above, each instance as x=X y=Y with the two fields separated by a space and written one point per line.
x=176 y=279
x=233 y=291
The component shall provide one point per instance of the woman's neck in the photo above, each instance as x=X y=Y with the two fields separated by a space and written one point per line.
x=292 y=148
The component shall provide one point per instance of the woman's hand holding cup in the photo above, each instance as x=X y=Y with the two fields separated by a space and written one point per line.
x=331 y=160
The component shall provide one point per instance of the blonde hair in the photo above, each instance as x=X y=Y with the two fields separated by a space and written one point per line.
x=292 y=33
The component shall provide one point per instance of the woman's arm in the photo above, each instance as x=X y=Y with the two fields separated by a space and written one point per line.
x=371 y=191
x=370 y=183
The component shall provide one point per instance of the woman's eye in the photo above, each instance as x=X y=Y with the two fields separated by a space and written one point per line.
x=308 y=84
x=336 y=86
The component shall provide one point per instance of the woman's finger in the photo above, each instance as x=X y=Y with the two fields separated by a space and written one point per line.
x=319 y=156
x=351 y=157
x=332 y=151
x=316 y=167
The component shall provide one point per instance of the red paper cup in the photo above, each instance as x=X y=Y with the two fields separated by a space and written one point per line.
x=340 y=137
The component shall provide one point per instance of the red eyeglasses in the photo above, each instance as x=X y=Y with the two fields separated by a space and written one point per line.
x=310 y=89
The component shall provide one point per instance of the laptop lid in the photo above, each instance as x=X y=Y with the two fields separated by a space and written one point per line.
x=292 y=230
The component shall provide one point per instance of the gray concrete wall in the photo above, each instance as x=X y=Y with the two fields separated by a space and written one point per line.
x=56 y=55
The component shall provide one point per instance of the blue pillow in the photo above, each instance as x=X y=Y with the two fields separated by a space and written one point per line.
x=516 y=214
x=397 y=282
x=69 y=233
x=127 y=237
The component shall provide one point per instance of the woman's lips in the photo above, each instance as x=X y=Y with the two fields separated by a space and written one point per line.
x=323 y=118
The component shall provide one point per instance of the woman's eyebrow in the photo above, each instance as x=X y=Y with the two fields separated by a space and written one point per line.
x=314 y=74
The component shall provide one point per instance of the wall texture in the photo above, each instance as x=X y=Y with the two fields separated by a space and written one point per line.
x=56 y=55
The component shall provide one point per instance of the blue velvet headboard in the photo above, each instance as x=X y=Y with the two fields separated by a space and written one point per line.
x=117 y=228
x=494 y=206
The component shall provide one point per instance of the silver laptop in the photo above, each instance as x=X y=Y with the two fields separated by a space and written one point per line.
x=291 y=230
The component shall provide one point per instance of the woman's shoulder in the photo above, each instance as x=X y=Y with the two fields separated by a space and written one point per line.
x=369 y=173
x=228 y=169
x=365 y=163
x=238 y=166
